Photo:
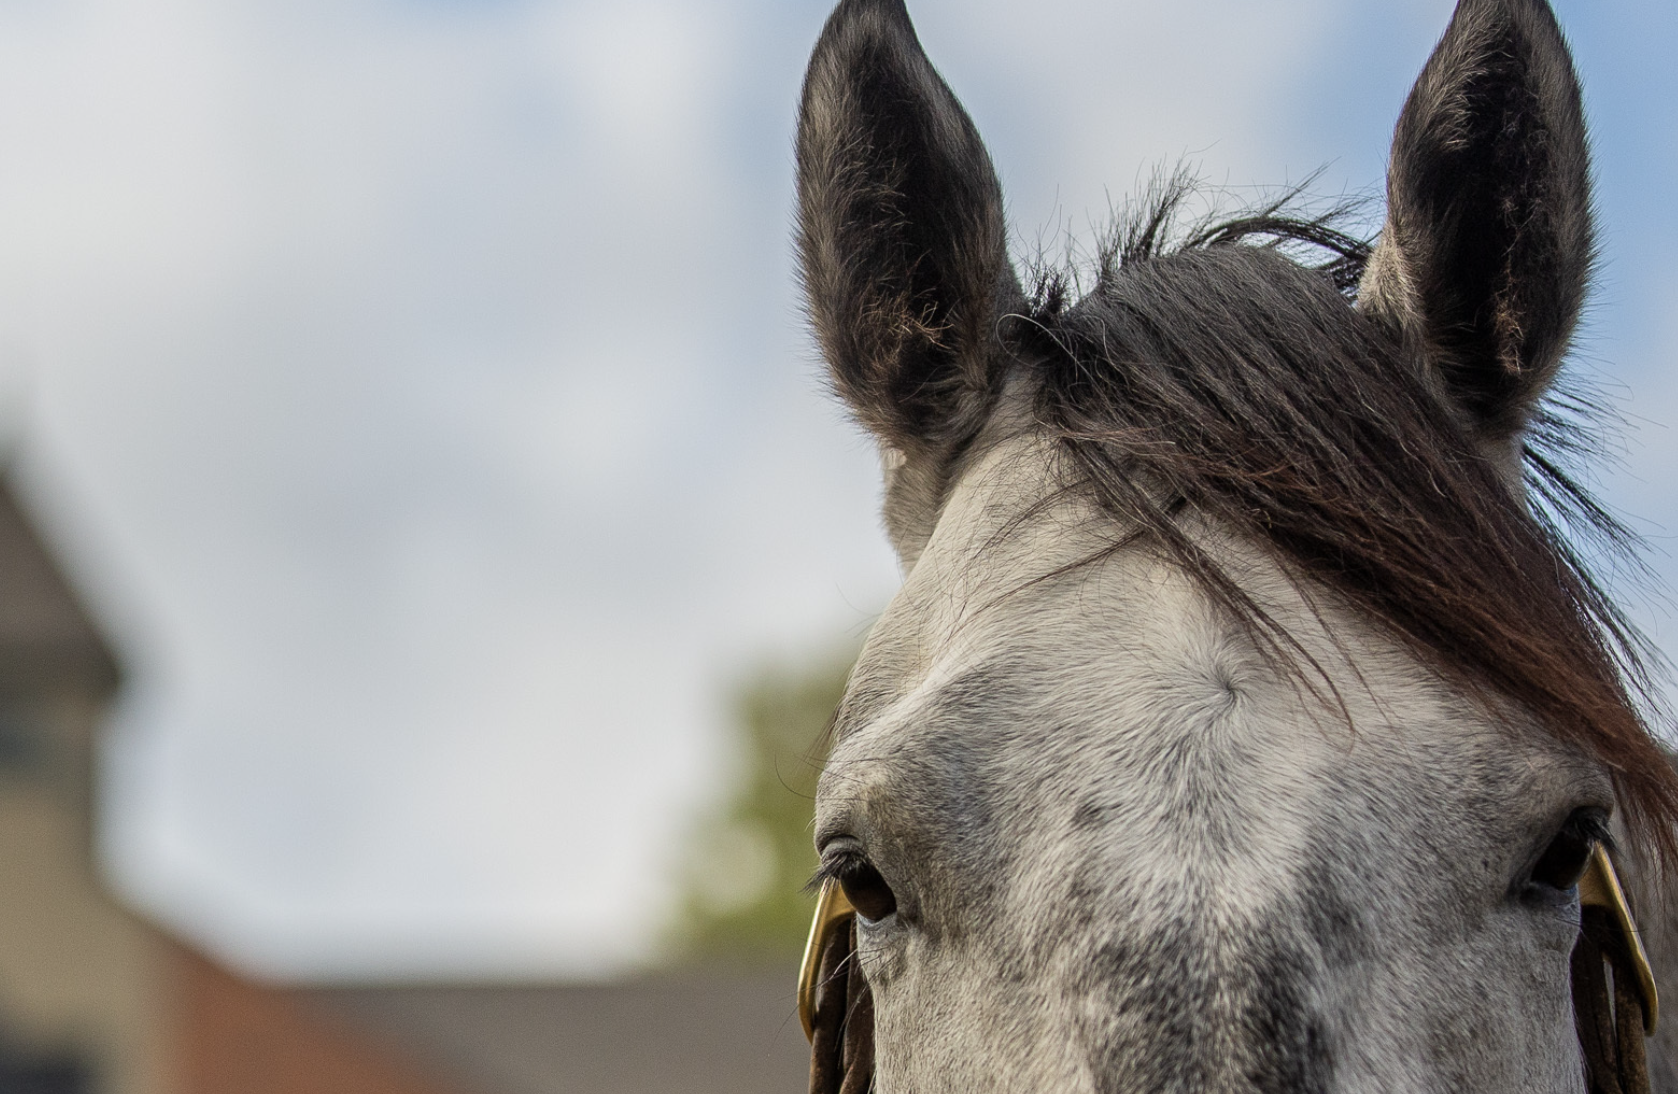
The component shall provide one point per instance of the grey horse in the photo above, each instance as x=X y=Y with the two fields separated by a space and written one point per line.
x=1246 y=720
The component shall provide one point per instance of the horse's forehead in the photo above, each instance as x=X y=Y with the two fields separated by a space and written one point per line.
x=1091 y=720
x=1010 y=694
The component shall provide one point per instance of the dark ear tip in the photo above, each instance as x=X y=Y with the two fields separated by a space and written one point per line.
x=895 y=10
x=1527 y=15
x=1530 y=7
x=851 y=16
x=851 y=27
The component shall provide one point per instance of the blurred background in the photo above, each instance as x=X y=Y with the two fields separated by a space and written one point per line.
x=433 y=551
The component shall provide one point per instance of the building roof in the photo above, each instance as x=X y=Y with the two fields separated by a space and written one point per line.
x=698 y=1032
x=48 y=641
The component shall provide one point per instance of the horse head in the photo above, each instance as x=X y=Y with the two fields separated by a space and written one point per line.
x=1244 y=721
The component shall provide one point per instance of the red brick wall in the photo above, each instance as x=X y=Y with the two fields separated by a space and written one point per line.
x=239 y=1038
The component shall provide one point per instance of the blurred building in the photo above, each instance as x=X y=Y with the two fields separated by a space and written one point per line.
x=79 y=977
x=676 y=1033
x=694 y=1032
x=94 y=1000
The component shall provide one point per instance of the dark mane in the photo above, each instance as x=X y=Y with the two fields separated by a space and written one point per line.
x=1227 y=369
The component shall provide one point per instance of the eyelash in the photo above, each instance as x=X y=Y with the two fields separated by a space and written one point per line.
x=1592 y=827
x=831 y=867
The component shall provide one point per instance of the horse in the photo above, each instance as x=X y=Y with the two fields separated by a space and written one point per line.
x=1248 y=718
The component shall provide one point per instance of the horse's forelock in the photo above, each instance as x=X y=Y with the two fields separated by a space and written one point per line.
x=1244 y=383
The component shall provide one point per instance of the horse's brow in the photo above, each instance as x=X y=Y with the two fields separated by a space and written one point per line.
x=972 y=696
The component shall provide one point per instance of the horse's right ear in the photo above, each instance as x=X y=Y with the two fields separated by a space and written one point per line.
x=900 y=234
x=1487 y=250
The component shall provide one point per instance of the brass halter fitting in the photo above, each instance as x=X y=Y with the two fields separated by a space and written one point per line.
x=1600 y=888
x=832 y=911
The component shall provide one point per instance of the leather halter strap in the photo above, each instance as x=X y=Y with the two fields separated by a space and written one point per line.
x=1615 y=1002
x=832 y=912
x=834 y=1002
x=1599 y=888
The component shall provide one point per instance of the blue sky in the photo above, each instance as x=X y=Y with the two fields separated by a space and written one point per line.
x=420 y=393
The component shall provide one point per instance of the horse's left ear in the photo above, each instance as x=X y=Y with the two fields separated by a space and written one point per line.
x=903 y=248
x=1487 y=248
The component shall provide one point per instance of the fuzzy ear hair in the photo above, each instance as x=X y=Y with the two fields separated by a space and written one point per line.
x=900 y=233
x=1487 y=250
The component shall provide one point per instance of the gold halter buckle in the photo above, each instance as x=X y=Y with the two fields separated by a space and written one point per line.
x=832 y=911
x=1600 y=888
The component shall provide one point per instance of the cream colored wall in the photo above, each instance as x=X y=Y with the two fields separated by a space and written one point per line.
x=76 y=971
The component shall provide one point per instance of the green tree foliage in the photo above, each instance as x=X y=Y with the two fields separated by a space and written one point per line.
x=747 y=861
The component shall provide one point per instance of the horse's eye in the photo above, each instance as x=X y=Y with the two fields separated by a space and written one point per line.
x=1563 y=862
x=865 y=888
